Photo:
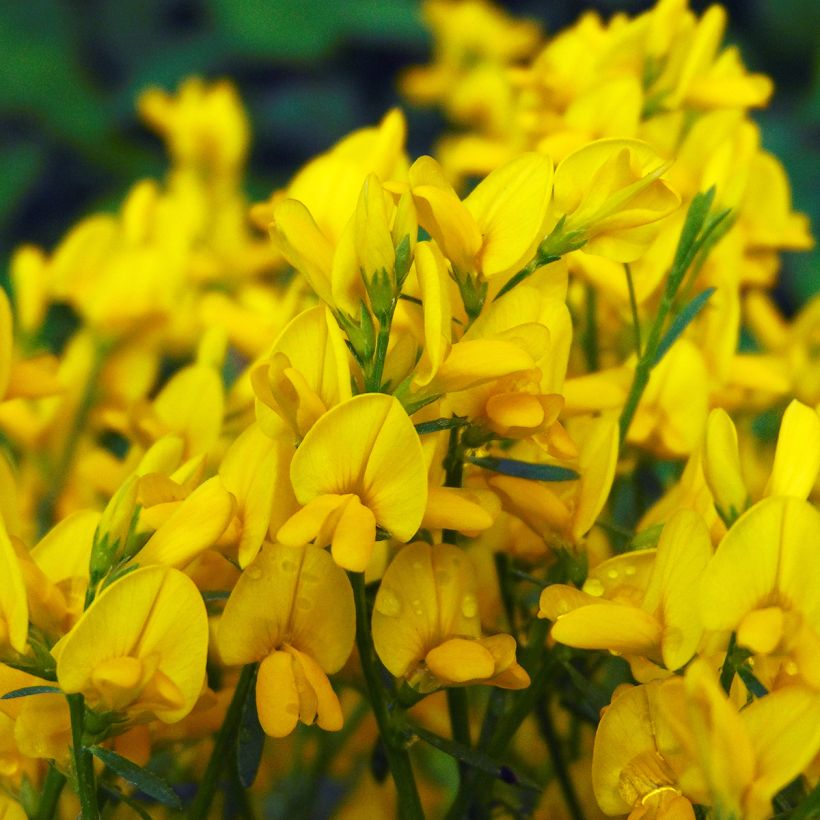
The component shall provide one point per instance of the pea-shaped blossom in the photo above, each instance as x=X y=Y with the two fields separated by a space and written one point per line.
x=140 y=648
x=426 y=624
x=361 y=464
x=293 y=610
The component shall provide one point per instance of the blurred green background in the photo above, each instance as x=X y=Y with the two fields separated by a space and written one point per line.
x=309 y=71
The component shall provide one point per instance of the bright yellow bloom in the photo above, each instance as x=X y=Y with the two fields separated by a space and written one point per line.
x=140 y=648
x=663 y=624
x=13 y=601
x=737 y=761
x=762 y=583
x=629 y=770
x=361 y=464
x=427 y=628
x=293 y=610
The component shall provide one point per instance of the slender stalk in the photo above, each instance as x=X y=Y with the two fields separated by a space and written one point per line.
x=458 y=706
x=727 y=672
x=225 y=741
x=633 y=303
x=83 y=760
x=397 y=756
x=373 y=381
x=50 y=796
x=547 y=727
x=453 y=472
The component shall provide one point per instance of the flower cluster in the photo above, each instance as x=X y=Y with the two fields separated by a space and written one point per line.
x=459 y=453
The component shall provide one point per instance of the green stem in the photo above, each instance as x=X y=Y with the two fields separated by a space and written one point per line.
x=559 y=766
x=373 y=382
x=633 y=303
x=391 y=733
x=83 y=760
x=458 y=706
x=453 y=472
x=224 y=743
x=50 y=796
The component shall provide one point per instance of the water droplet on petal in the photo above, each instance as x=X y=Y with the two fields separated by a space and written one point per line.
x=417 y=607
x=388 y=603
x=630 y=571
x=594 y=587
x=418 y=567
x=469 y=606
x=288 y=565
x=612 y=573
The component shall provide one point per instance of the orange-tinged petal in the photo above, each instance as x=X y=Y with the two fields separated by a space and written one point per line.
x=510 y=208
x=328 y=709
x=277 y=701
x=193 y=527
x=797 y=457
x=459 y=660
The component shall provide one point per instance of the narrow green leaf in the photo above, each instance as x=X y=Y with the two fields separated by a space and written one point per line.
x=250 y=741
x=147 y=782
x=473 y=758
x=117 y=796
x=524 y=469
x=695 y=219
x=646 y=538
x=436 y=425
x=32 y=690
x=682 y=321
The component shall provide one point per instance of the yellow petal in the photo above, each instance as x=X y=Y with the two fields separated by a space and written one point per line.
x=510 y=208
x=559 y=599
x=459 y=660
x=306 y=524
x=797 y=457
x=622 y=629
x=761 y=630
x=456 y=508
x=193 y=527
x=6 y=343
x=598 y=445
x=366 y=446
x=328 y=709
x=277 y=701
x=13 y=601
x=721 y=465
x=139 y=617
x=431 y=270
x=302 y=243
x=354 y=536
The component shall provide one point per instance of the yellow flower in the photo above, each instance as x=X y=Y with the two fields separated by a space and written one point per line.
x=13 y=600
x=611 y=191
x=663 y=623
x=140 y=648
x=737 y=761
x=629 y=770
x=426 y=624
x=361 y=464
x=761 y=583
x=292 y=609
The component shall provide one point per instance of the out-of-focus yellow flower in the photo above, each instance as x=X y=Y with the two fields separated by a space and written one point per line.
x=427 y=627
x=13 y=601
x=140 y=648
x=360 y=465
x=293 y=610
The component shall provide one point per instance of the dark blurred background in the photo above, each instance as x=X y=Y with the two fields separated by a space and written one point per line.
x=309 y=71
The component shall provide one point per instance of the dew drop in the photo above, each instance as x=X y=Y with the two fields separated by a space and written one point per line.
x=469 y=606
x=417 y=607
x=630 y=571
x=594 y=587
x=418 y=567
x=388 y=603
x=254 y=573
x=612 y=573
x=288 y=565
